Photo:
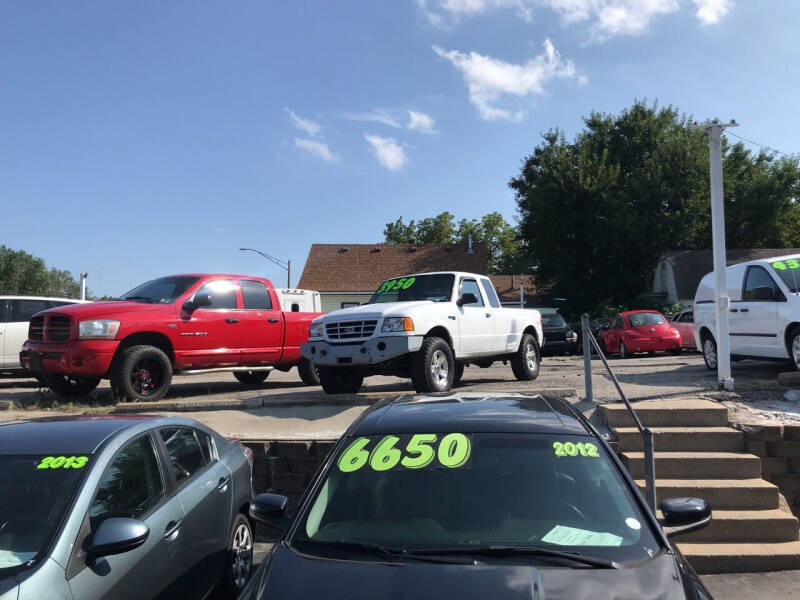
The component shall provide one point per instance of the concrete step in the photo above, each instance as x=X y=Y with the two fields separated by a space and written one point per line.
x=670 y=439
x=721 y=494
x=667 y=413
x=741 y=558
x=696 y=465
x=746 y=526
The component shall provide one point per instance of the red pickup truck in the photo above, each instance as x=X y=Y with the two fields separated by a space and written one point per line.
x=181 y=324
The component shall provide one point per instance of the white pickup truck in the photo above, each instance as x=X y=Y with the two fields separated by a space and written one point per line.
x=426 y=327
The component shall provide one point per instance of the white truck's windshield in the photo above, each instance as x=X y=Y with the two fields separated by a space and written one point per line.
x=436 y=287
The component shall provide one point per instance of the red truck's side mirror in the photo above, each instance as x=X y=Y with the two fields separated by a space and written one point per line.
x=199 y=300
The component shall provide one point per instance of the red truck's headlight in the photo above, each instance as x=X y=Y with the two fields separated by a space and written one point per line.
x=98 y=329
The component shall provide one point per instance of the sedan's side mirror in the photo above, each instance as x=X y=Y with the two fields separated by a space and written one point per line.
x=117 y=535
x=269 y=509
x=683 y=515
x=467 y=298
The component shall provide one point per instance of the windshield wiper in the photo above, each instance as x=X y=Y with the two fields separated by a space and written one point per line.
x=386 y=551
x=492 y=550
x=138 y=298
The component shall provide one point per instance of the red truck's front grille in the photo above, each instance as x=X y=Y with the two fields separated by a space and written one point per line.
x=50 y=328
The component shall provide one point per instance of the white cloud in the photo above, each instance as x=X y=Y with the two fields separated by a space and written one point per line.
x=419 y=121
x=318 y=149
x=605 y=18
x=711 y=11
x=375 y=116
x=388 y=152
x=312 y=128
x=489 y=78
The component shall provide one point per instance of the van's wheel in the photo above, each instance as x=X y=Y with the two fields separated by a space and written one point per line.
x=433 y=366
x=308 y=372
x=526 y=360
x=458 y=373
x=141 y=373
x=340 y=380
x=794 y=347
x=69 y=385
x=709 y=351
x=251 y=377
x=240 y=556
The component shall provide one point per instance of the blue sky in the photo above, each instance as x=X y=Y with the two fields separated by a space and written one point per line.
x=148 y=138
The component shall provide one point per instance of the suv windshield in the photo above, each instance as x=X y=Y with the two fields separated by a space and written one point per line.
x=437 y=288
x=639 y=319
x=789 y=271
x=456 y=491
x=35 y=492
x=160 y=291
x=552 y=320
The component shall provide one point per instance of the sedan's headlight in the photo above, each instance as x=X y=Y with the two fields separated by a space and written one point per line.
x=316 y=330
x=397 y=324
x=98 y=329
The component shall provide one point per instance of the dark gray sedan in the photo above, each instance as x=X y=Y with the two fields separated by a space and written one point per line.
x=122 y=507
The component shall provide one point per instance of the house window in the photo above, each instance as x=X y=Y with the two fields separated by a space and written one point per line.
x=349 y=304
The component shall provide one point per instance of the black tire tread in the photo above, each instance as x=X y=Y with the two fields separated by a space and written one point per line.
x=420 y=362
x=519 y=365
x=122 y=365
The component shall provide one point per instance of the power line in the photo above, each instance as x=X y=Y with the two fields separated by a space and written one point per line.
x=757 y=144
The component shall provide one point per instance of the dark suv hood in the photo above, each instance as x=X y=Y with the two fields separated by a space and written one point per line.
x=296 y=576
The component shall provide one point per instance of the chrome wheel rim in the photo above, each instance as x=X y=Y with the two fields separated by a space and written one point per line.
x=710 y=352
x=796 y=350
x=439 y=368
x=530 y=357
x=242 y=555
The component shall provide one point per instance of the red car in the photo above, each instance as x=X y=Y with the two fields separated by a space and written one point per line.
x=684 y=323
x=181 y=324
x=641 y=331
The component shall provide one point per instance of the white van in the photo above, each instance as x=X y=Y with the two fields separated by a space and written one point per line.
x=764 y=313
x=299 y=300
x=15 y=312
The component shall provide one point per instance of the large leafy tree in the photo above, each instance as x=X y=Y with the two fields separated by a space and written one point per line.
x=504 y=248
x=24 y=274
x=596 y=213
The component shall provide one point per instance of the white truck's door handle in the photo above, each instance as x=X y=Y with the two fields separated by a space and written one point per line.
x=488 y=315
x=451 y=317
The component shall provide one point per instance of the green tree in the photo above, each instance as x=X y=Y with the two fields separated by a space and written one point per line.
x=596 y=213
x=24 y=274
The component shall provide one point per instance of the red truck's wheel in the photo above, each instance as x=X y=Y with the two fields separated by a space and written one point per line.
x=308 y=372
x=251 y=377
x=141 y=373
x=67 y=385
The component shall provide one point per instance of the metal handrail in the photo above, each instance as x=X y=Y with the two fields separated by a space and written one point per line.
x=589 y=341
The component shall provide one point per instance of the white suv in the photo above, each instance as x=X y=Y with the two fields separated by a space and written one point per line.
x=764 y=313
x=15 y=312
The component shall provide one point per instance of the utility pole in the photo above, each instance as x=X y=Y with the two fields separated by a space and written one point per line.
x=722 y=300
x=283 y=264
x=84 y=275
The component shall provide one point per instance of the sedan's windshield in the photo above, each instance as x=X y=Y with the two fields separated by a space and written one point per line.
x=457 y=491
x=789 y=270
x=35 y=492
x=639 y=319
x=160 y=291
x=437 y=287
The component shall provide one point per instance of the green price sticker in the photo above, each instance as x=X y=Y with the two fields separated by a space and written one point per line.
x=568 y=449
x=396 y=284
x=783 y=265
x=63 y=462
x=418 y=451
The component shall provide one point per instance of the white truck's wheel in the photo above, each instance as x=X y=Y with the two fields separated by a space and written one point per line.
x=458 y=373
x=340 y=380
x=526 y=360
x=710 y=351
x=432 y=366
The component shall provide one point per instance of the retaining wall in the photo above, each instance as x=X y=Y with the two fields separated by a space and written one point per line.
x=778 y=446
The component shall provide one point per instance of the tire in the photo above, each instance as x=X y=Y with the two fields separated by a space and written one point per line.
x=623 y=350
x=340 y=380
x=458 y=373
x=709 y=351
x=794 y=348
x=251 y=377
x=308 y=372
x=69 y=385
x=239 y=563
x=526 y=360
x=675 y=351
x=433 y=366
x=141 y=373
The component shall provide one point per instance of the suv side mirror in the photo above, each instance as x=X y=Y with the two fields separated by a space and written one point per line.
x=270 y=509
x=117 y=535
x=683 y=515
x=467 y=298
